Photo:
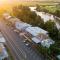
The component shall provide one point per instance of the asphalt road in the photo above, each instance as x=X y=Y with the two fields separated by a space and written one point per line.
x=16 y=45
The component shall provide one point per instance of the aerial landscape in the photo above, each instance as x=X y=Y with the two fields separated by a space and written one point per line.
x=29 y=29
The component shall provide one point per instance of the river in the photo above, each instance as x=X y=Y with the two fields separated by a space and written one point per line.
x=46 y=16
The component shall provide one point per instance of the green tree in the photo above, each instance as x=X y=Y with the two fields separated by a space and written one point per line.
x=57 y=13
x=50 y=26
x=24 y=14
x=38 y=8
x=39 y=22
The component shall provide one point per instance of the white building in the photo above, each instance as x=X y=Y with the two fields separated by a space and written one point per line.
x=40 y=36
x=3 y=53
x=35 y=31
x=21 y=25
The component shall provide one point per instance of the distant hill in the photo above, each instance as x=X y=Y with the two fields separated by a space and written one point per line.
x=40 y=0
x=48 y=1
x=10 y=3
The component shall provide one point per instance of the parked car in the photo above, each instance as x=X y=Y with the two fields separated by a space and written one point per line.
x=15 y=30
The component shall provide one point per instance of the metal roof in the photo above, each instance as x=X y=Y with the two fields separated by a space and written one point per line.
x=35 y=30
x=21 y=25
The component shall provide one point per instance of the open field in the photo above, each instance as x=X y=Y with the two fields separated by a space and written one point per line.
x=39 y=3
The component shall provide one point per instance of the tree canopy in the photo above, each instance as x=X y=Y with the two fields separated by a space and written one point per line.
x=50 y=26
x=24 y=14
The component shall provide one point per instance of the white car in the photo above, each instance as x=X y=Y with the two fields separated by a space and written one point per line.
x=27 y=44
x=24 y=41
x=16 y=31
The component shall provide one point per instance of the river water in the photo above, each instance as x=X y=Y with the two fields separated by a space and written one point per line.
x=45 y=16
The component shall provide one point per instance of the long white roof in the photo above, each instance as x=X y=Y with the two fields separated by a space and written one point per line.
x=35 y=30
x=21 y=25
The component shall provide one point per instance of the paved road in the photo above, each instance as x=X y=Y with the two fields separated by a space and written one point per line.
x=16 y=45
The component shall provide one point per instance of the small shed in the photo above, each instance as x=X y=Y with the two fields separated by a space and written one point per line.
x=2 y=39
x=34 y=39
